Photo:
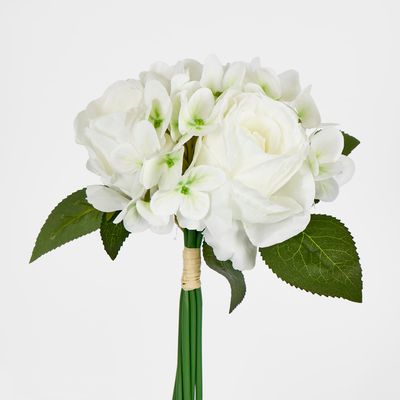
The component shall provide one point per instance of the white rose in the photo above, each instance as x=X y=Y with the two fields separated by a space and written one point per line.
x=269 y=189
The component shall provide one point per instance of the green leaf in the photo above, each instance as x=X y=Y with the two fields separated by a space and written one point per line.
x=71 y=219
x=350 y=143
x=322 y=259
x=225 y=268
x=112 y=235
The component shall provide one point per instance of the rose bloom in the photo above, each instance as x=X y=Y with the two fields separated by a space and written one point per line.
x=269 y=187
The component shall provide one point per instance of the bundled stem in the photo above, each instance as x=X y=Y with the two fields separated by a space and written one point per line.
x=189 y=375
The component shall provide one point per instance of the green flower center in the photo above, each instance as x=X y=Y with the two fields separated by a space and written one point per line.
x=197 y=123
x=170 y=162
x=185 y=190
x=155 y=117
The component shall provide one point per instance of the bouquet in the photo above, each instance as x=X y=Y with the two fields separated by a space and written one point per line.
x=237 y=157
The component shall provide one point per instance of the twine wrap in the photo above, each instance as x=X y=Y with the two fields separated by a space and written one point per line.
x=191 y=269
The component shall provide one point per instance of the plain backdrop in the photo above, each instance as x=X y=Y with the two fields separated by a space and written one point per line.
x=76 y=326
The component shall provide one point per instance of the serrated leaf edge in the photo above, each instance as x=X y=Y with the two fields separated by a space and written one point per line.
x=311 y=291
x=32 y=259
x=231 y=310
x=102 y=240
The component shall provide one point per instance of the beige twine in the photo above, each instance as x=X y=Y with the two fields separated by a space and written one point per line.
x=191 y=269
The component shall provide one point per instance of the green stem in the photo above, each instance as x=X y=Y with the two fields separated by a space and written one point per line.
x=178 y=380
x=199 y=362
x=193 y=337
x=187 y=390
x=188 y=381
x=192 y=239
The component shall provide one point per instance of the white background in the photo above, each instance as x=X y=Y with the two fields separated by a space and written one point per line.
x=76 y=326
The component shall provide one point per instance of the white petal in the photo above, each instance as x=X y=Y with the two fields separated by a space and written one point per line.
x=212 y=74
x=80 y=124
x=120 y=217
x=300 y=187
x=121 y=96
x=183 y=139
x=129 y=184
x=172 y=169
x=234 y=75
x=307 y=109
x=244 y=256
x=290 y=85
x=158 y=105
x=105 y=199
x=124 y=158
x=162 y=69
x=328 y=170
x=254 y=208
x=327 y=144
x=346 y=172
x=326 y=190
x=112 y=125
x=190 y=223
x=133 y=222
x=175 y=117
x=193 y=68
x=252 y=87
x=145 y=139
x=145 y=211
x=196 y=153
x=270 y=175
x=151 y=172
x=178 y=81
x=313 y=162
x=269 y=82
x=264 y=235
x=196 y=113
x=235 y=246
x=205 y=178
x=201 y=104
x=99 y=147
x=195 y=205
x=163 y=229
x=220 y=219
x=165 y=202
